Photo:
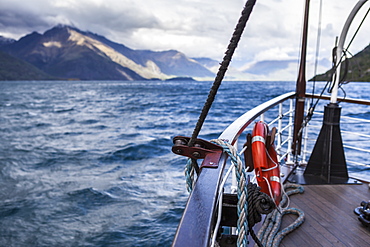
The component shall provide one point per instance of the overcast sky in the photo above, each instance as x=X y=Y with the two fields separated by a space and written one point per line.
x=198 y=28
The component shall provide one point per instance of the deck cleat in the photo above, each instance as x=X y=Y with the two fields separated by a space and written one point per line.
x=363 y=213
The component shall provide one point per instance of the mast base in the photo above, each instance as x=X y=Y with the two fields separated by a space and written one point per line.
x=327 y=164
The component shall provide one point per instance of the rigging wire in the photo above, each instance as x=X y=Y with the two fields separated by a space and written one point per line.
x=358 y=28
x=318 y=39
x=353 y=37
x=346 y=51
x=329 y=83
x=308 y=117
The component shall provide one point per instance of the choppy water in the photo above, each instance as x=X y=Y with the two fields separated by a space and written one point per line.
x=89 y=163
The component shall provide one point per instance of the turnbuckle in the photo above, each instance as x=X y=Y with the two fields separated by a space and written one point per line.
x=202 y=149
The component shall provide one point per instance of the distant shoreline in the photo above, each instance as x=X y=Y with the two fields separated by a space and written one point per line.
x=181 y=79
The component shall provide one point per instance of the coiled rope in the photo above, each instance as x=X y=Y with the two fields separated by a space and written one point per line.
x=269 y=233
x=252 y=203
x=259 y=203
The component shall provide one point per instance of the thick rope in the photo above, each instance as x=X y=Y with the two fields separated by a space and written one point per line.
x=242 y=192
x=217 y=82
x=189 y=175
x=251 y=202
x=269 y=233
x=259 y=203
x=223 y=68
x=248 y=194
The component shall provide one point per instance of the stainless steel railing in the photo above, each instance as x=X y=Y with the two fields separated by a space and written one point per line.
x=278 y=112
x=355 y=133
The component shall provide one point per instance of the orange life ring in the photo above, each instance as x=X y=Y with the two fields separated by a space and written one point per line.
x=265 y=162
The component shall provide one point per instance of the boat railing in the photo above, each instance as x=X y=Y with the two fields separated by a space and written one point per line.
x=284 y=131
x=202 y=204
x=355 y=132
x=278 y=113
x=234 y=130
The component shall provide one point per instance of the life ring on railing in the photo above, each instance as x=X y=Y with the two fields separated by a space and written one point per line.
x=265 y=162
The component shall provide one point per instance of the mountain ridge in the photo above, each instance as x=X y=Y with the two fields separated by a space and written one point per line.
x=10 y=67
x=66 y=52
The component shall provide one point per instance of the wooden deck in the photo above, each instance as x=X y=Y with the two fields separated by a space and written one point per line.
x=329 y=217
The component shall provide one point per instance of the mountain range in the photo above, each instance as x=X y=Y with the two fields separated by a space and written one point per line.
x=67 y=53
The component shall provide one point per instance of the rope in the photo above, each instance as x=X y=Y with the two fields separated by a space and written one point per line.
x=269 y=233
x=251 y=201
x=334 y=67
x=318 y=39
x=259 y=203
x=216 y=84
x=223 y=67
x=242 y=192
x=189 y=175
x=358 y=28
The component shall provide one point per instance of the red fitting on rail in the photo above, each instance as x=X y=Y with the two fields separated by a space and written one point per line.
x=202 y=149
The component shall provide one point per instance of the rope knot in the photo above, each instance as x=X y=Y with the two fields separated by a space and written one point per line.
x=259 y=203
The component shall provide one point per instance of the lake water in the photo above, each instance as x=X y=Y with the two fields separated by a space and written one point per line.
x=90 y=163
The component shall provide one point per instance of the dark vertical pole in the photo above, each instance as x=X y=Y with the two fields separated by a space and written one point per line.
x=301 y=87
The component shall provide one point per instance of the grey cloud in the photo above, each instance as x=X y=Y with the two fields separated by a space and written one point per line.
x=20 y=23
x=105 y=19
x=19 y=19
x=110 y=17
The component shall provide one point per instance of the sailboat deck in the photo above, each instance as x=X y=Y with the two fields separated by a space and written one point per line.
x=329 y=216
